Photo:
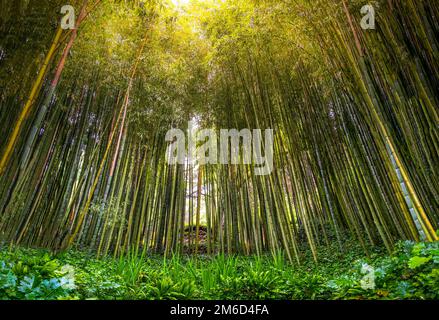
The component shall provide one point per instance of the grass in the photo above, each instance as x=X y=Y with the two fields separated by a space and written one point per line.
x=411 y=272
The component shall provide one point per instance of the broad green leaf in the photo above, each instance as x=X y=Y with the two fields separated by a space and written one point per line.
x=416 y=261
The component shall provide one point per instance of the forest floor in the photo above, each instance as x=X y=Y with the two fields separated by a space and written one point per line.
x=411 y=272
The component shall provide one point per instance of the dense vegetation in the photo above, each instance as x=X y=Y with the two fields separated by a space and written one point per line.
x=83 y=119
x=412 y=272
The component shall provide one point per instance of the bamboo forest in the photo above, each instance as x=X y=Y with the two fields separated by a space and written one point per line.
x=219 y=149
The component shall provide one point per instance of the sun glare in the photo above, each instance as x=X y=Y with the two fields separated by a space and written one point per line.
x=180 y=3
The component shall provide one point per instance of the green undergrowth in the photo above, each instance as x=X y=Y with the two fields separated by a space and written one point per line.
x=411 y=272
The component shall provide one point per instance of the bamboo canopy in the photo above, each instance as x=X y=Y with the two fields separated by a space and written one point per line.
x=84 y=116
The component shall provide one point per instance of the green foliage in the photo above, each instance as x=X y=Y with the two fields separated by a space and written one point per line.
x=34 y=276
x=166 y=288
x=410 y=273
x=416 y=261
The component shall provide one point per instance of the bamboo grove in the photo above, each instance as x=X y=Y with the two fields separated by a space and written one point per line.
x=84 y=114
